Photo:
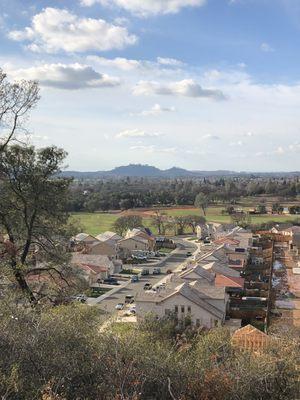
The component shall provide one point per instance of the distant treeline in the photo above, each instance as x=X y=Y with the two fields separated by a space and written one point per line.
x=129 y=193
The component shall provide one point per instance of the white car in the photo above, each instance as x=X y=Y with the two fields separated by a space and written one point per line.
x=119 y=306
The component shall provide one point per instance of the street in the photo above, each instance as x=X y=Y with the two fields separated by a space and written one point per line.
x=173 y=261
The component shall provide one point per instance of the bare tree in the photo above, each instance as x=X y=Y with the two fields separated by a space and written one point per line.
x=16 y=100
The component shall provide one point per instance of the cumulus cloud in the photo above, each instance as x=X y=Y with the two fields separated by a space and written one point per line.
x=55 y=30
x=66 y=76
x=157 y=109
x=136 y=133
x=186 y=87
x=170 y=62
x=266 y=48
x=147 y=8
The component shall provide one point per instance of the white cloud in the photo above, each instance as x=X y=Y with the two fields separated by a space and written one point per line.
x=136 y=133
x=66 y=76
x=124 y=64
x=210 y=137
x=55 y=30
x=154 y=149
x=266 y=48
x=157 y=109
x=145 y=8
x=186 y=87
x=170 y=62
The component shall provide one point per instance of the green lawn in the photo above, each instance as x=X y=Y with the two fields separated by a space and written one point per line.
x=95 y=223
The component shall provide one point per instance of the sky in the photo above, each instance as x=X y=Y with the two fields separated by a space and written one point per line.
x=197 y=84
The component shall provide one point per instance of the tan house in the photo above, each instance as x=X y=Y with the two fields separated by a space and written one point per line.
x=130 y=244
x=101 y=248
x=204 y=306
x=142 y=233
x=109 y=237
x=94 y=267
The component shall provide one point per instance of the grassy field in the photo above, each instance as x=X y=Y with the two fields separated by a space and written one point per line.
x=100 y=222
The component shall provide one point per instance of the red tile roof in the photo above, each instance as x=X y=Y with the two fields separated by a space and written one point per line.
x=229 y=281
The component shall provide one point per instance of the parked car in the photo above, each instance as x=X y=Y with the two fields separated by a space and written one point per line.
x=119 y=306
x=189 y=254
x=184 y=268
x=82 y=298
x=110 y=281
x=169 y=271
x=134 y=279
x=129 y=299
x=145 y=271
x=147 y=286
x=156 y=271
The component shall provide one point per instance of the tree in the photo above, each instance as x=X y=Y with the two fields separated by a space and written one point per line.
x=277 y=208
x=241 y=219
x=261 y=209
x=194 y=220
x=16 y=100
x=122 y=224
x=159 y=221
x=33 y=215
x=202 y=201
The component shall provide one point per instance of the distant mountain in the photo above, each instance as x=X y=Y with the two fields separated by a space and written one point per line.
x=148 y=171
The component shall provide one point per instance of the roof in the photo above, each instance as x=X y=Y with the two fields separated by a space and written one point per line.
x=226 y=240
x=221 y=269
x=91 y=259
x=250 y=338
x=93 y=268
x=200 y=271
x=293 y=229
x=82 y=236
x=109 y=237
x=226 y=281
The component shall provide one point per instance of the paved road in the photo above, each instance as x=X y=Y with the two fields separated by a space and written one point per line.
x=173 y=261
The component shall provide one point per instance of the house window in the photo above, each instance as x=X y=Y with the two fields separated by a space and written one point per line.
x=182 y=309
x=216 y=322
x=197 y=322
x=167 y=311
x=176 y=309
x=189 y=309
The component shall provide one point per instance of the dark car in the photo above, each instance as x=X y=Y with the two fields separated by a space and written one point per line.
x=110 y=281
x=147 y=286
x=189 y=254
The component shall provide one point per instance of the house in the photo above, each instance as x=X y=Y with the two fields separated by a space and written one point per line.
x=94 y=267
x=110 y=238
x=204 y=306
x=143 y=233
x=250 y=338
x=130 y=244
x=105 y=244
x=101 y=248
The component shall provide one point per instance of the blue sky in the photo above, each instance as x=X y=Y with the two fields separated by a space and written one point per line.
x=201 y=84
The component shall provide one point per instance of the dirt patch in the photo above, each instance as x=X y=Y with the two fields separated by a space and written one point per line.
x=149 y=212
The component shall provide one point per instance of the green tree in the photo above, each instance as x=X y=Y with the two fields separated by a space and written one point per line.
x=202 y=201
x=194 y=220
x=33 y=215
x=122 y=224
